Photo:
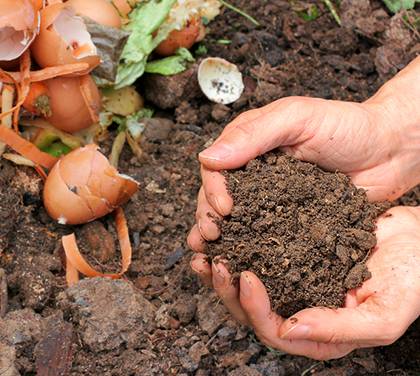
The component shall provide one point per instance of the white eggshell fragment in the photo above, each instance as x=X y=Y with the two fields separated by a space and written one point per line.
x=220 y=80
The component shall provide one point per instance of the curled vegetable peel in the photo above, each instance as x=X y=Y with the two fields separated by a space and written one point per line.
x=75 y=263
x=83 y=186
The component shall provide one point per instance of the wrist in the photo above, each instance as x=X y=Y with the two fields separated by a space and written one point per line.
x=399 y=98
x=397 y=108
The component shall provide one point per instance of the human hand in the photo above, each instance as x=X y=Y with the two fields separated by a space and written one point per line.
x=375 y=314
x=376 y=143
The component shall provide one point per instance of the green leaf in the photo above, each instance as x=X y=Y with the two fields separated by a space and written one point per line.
x=396 y=5
x=225 y=42
x=201 y=50
x=57 y=149
x=147 y=33
x=309 y=14
x=171 y=65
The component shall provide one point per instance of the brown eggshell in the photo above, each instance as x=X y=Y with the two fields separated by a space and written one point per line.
x=83 y=186
x=19 y=14
x=49 y=48
x=19 y=22
x=69 y=111
x=179 y=38
x=61 y=203
x=100 y=11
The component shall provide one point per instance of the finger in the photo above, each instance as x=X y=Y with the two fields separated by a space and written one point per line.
x=206 y=217
x=202 y=268
x=195 y=241
x=256 y=304
x=366 y=325
x=266 y=323
x=282 y=125
x=216 y=192
x=222 y=283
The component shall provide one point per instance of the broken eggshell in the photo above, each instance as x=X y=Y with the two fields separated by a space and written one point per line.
x=220 y=80
x=19 y=25
x=83 y=186
x=63 y=39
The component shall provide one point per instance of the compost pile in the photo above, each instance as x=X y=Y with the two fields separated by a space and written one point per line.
x=159 y=319
x=67 y=70
x=306 y=233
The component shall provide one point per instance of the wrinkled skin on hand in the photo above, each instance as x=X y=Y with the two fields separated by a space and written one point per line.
x=377 y=144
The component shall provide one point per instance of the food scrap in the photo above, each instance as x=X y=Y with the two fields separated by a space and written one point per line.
x=68 y=81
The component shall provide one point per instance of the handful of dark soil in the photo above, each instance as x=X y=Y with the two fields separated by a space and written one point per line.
x=304 y=232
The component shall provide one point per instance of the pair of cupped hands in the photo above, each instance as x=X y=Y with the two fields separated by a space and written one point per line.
x=377 y=144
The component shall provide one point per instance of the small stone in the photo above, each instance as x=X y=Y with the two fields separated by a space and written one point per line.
x=220 y=112
x=156 y=129
x=226 y=333
x=100 y=242
x=269 y=367
x=197 y=351
x=211 y=315
x=158 y=229
x=174 y=257
x=185 y=308
x=168 y=210
x=164 y=320
x=245 y=371
x=239 y=358
x=143 y=282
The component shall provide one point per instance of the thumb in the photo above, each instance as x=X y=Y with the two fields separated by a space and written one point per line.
x=282 y=123
x=365 y=325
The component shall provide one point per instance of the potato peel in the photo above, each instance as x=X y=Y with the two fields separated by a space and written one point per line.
x=26 y=148
x=76 y=263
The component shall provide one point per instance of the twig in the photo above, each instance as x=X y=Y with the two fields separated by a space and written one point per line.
x=331 y=8
x=241 y=12
x=3 y=294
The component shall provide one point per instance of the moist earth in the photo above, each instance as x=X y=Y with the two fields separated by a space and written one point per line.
x=183 y=329
x=306 y=233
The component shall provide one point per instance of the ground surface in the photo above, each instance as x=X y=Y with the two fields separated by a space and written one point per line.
x=160 y=321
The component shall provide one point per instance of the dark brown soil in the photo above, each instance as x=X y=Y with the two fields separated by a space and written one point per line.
x=304 y=232
x=160 y=320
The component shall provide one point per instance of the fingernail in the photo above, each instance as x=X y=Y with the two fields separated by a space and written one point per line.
x=201 y=230
x=216 y=152
x=218 y=278
x=194 y=258
x=297 y=332
x=246 y=288
x=217 y=205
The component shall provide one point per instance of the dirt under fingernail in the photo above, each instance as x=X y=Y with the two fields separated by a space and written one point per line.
x=306 y=233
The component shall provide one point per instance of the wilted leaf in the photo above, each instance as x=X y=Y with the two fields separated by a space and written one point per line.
x=171 y=65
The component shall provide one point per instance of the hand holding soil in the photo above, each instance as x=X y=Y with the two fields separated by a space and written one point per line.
x=376 y=144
